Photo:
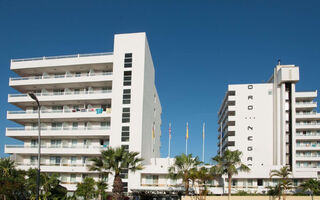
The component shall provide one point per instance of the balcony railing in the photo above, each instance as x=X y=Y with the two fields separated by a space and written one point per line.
x=63 y=93
x=61 y=57
x=59 y=76
x=308 y=134
x=308 y=156
x=306 y=113
x=57 y=146
x=306 y=103
x=58 y=128
x=312 y=123
x=308 y=145
x=35 y=163
x=108 y=110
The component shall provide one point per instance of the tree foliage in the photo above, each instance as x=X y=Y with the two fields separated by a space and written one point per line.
x=184 y=167
x=115 y=160
x=230 y=164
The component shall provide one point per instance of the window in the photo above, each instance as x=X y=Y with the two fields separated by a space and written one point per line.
x=126 y=147
x=260 y=182
x=84 y=176
x=125 y=115
x=75 y=125
x=105 y=125
x=76 y=91
x=78 y=74
x=125 y=134
x=74 y=143
x=124 y=173
x=234 y=182
x=34 y=143
x=56 y=126
x=125 y=186
x=73 y=160
x=55 y=143
x=73 y=178
x=55 y=160
x=126 y=98
x=128 y=60
x=127 y=75
x=33 y=160
x=250 y=182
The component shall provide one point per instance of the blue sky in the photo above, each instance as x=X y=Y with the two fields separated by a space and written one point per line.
x=198 y=47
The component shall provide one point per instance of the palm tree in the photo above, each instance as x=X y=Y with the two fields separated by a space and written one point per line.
x=285 y=182
x=11 y=180
x=204 y=176
x=115 y=160
x=86 y=188
x=312 y=186
x=182 y=167
x=230 y=164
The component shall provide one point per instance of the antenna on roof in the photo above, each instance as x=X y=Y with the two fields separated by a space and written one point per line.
x=279 y=61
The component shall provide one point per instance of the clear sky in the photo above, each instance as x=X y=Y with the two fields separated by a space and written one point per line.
x=198 y=47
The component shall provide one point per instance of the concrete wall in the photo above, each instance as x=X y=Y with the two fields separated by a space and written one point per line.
x=250 y=198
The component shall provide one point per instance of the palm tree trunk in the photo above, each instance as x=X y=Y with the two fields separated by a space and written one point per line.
x=186 y=185
x=229 y=186
x=117 y=189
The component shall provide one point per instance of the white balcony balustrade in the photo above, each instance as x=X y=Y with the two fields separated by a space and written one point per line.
x=48 y=98
x=22 y=132
x=60 y=76
x=56 y=149
x=59 y=114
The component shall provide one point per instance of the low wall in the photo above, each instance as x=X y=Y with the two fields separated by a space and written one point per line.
x=249 y=198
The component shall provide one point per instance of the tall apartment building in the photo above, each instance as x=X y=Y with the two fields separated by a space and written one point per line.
x=88 y=103
x=273 y=125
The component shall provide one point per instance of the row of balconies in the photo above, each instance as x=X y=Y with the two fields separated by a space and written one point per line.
x=29 y=84
x=59 y=131
x=55 y=149
x=308 y=164
x=59 y=76
x=50 y=98
x=71 y=114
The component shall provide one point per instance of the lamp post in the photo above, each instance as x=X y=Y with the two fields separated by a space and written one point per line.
x=34 y=97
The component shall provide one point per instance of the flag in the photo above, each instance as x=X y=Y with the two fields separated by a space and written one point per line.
x=187 y=133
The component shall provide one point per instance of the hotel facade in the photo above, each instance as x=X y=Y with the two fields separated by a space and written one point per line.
x=88 y=103
x=273 y=125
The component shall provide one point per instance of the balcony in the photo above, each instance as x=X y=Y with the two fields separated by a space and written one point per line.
x=19 y=65
x=309 y=95
x=48 y=98
x=88 y=132
x=306 y=105
x=314 y=157
x=311 y=147
x=53 y=167
x=59 y=115
x=307 y=126
x=65 y=80
x=73 y=150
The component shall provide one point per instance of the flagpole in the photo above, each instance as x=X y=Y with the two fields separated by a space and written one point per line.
x=220 y=139
x=187 y=136
x=186 y=146
x=169 y=140
x=203 y=138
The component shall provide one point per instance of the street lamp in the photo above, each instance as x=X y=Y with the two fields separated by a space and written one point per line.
x=34 y=97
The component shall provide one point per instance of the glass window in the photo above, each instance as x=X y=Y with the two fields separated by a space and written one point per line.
x=74 y=142
x=72 y=178
x=125 y=134
x=127 y=75
x=125 y=115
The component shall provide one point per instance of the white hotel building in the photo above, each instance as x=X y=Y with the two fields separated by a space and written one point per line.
x=273 y=125
x=88 y=102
